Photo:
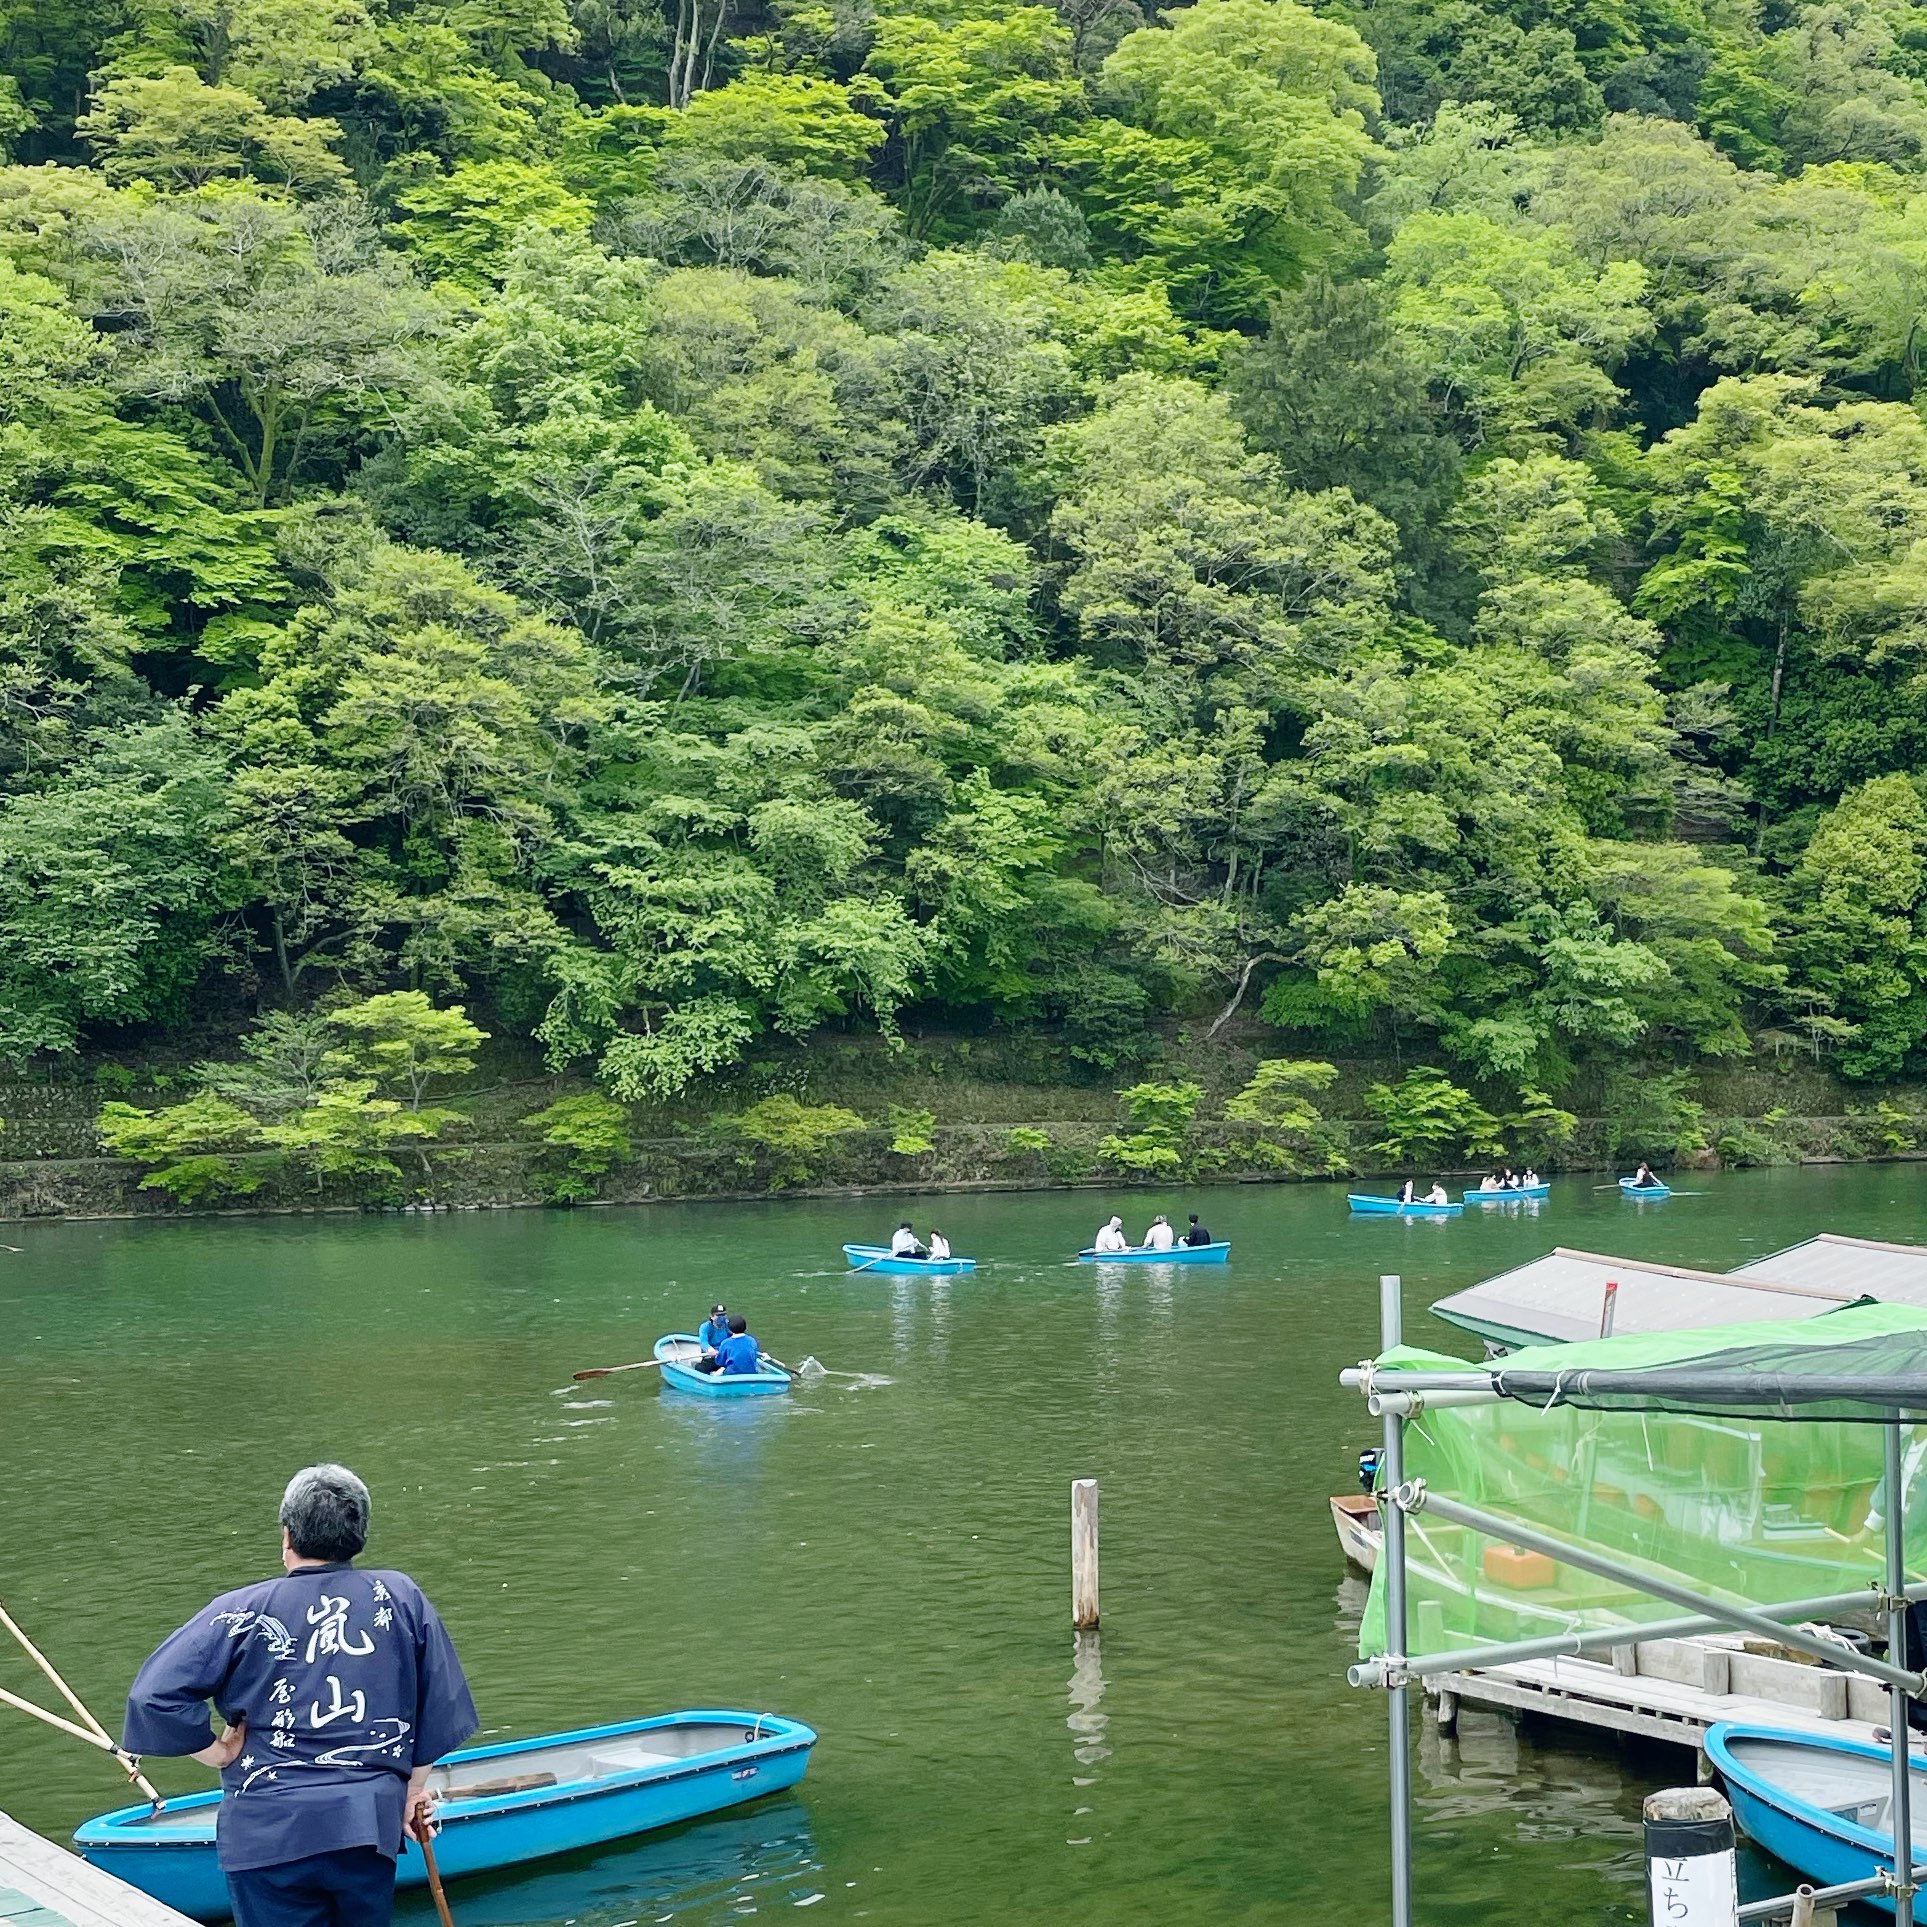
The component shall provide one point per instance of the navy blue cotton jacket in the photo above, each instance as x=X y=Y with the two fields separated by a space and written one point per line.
x=347 y=1681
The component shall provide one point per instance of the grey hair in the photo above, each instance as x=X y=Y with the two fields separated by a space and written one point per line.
x=325 y=1510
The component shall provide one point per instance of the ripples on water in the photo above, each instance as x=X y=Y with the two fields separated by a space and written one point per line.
x=883 y=1552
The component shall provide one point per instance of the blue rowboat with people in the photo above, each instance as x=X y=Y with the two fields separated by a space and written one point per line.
x=1215 y=1253
x=880 y=1258
x=1366 y=1205
x=501 y=1805
x=1632 y=1188
x=1506 y=1193
x=679 y=1352
x=1819 y=1803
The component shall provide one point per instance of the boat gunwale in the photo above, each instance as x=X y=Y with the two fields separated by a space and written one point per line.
x=1377 y=1206
x=1144 y=1255
x=881 y=1255
x=1718 y=1743
x=794 y=1738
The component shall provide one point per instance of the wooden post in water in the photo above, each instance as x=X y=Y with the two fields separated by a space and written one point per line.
x=1084 y=1554
x=1690 y=1874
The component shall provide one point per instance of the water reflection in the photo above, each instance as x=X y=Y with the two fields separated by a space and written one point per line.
x=1086 y=1723
x=763 y=1856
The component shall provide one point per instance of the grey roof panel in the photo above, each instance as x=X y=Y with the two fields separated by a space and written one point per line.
x=1895 y=1274
x=1562 y=1296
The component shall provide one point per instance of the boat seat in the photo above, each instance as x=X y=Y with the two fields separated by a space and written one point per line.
x=626 y=1758
x=1871 y=1814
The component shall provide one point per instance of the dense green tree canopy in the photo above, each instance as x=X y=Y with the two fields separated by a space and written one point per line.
x=672 y=526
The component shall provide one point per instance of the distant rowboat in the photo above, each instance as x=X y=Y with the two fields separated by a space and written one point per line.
x=1215 y=1253
x=679 y=1353
x=1507 y=1193
x=1367 y=1206
x=1360 y=1532
x=878 y=1258
x=500 y=1805
x=1633 y=1189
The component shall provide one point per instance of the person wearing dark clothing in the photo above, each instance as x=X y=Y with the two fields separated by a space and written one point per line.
x=1195 y=1233
x=338 y=1689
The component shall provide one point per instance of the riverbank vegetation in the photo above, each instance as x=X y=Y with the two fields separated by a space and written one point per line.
x=1394 y=532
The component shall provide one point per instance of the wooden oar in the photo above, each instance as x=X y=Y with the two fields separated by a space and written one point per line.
x=606 y=1371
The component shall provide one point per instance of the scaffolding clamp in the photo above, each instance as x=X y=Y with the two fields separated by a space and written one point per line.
x=1410 y=1497
x=1388 y=1670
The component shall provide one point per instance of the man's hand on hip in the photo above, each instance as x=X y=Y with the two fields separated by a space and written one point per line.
x=227 y=1749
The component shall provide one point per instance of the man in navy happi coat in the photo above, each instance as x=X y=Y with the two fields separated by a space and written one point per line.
x=339 y=1688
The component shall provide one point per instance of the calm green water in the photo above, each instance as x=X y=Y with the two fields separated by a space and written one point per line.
x=888 y=1562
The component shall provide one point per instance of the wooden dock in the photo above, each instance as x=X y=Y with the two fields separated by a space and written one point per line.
x=42 y=1885
x=1672 y=1689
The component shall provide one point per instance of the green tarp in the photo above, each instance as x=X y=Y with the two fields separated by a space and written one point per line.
x=1652 y=1449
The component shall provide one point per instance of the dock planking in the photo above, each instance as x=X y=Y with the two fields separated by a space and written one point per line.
x=42 y=1885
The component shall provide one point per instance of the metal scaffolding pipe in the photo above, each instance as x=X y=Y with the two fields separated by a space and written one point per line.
x=1391 y=1329
x=1415 y=1497
x=1466 y=1659
x=1898 y=1810
x=1819 y=1896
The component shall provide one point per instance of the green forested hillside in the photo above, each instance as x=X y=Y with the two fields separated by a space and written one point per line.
x=671 y=526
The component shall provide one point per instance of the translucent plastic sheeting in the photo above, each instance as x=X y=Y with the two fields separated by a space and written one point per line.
x=1730 y=1503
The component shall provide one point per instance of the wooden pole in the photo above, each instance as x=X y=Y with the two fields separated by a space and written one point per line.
x=1689 y=1858
x=435 y=1878
x=1084 y=1554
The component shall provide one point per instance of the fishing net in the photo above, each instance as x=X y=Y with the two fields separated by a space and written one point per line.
x=1662 y=1452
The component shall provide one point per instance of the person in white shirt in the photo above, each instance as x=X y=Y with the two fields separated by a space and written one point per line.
x=1160 y=1237
x=903 y=1243
x=1437 y=1194
x=939 y=1244
x=1489 y=1182
x=1531 y=1176
x=1112 y=1238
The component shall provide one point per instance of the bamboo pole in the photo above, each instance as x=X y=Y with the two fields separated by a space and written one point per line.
x=93 y=1733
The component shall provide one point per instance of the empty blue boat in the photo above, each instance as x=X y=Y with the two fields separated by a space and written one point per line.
x=1367 y=1206
x=501 y=1804
x=1509 y=1195
x=877 y=1258
x=1211 y=1254
x=1633 y=1190
x=1819 y=1803
x=679 y=1352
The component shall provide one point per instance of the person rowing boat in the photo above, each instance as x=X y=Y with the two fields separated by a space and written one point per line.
x=904 y=1243
x=1111 y=1237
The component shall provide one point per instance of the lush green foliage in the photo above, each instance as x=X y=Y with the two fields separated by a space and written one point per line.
x=668 y=527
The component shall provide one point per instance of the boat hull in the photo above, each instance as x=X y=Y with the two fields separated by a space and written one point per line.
x=1212 y=1254
x=1370 y=1207
x=877 y=1258
x=1510 y=1195
x=1828 y=1847
x=685 y=1378
x=1355 y=1517
x=1631 y=1190
x=175 y=1861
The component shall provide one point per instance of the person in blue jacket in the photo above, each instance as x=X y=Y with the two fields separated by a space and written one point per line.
x=740 y=1353
x=714 y=1329
x=337 y=1688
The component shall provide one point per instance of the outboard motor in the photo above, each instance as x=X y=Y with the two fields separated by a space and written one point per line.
x=1368 y=1467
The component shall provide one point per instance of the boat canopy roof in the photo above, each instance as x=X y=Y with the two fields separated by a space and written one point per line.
x=1864 y=1362
x=1649 y=1448
x=1562 y=1296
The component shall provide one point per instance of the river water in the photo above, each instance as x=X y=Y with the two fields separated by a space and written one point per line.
x=885 y=1557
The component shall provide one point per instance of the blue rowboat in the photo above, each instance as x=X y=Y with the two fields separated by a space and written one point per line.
x=1367 y=1206
x=1510 y=1193
x=679 y=1352
x=1633 y=1190
x=1818 y=1803
x=1211 y=1254
x=500 y=1804
x=877 y=1258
